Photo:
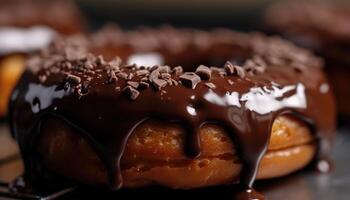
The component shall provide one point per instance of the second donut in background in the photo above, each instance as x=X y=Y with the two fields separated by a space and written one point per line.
x=323 y=28
x=26 y=26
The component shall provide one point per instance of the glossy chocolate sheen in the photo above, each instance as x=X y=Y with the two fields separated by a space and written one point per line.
x=288 y=80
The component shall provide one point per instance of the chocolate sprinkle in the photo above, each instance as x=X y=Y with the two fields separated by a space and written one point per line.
x=112 y=77
x=190 y=79
x=142 y=72
x=229 y=68
x=204 y=72
x=178 y=70
x=122 y=75
x=133 y=84
x=73 y=79
x=165 y=76
x=132 y=92
x=240 y=71
x=159 y=83
x=143 y=85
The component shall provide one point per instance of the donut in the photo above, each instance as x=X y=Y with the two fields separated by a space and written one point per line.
x=61 y=15
x=193 y=123
x=323 y=28
x=26 y=27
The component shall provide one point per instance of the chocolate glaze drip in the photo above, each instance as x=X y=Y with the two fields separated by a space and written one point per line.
x=278 y=79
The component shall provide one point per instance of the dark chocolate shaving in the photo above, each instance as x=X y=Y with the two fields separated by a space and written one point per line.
x=204 y=72
x=177 y=70
x=159 y=83
x=132 y=92
x=133 y=84
x=122 y=75
x=190 y=79
x=229 y=68
x=112 y=77
x=143 y=85
x=142 y=72
x=73 y=79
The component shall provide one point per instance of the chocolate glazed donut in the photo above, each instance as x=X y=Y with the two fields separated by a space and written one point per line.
x=263 y=78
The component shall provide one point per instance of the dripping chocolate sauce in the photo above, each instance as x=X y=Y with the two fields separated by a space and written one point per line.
x=106 y=117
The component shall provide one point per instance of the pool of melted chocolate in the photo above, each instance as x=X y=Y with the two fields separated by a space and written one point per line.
x=106 y=117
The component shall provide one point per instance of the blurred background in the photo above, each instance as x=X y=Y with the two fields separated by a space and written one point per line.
x=237 y=14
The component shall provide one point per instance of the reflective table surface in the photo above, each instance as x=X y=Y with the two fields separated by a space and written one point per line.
x=303 y=185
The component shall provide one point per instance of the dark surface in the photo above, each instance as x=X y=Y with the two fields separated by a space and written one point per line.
x=305 y=185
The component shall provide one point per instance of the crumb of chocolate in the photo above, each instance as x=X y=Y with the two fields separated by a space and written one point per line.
x=133 y=84
x=174 y=82
x=240 y=71
x=144 y=79
x=73 y=79
x=177 y=70
x=130 y=76
x=204 y=72
x=142 y=72
x=154 y=68
x=122 y=75
x=190 y=79
x=169 y=81
x=159 y=83
x=131 y=66
x=143 y=85
x=112 y=77
x=84 y=88
x=154 y=75
x=165 y=76
x=132 y=92
x=229 y=68
x=164 y=69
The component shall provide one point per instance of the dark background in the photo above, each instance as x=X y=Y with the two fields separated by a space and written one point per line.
x=243 y=15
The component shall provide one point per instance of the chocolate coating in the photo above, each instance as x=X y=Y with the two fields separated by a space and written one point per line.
x=277 y=78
